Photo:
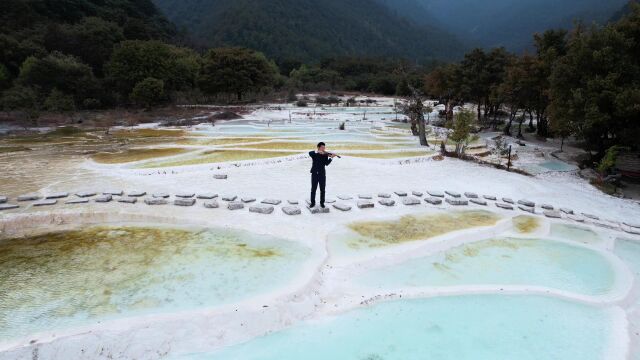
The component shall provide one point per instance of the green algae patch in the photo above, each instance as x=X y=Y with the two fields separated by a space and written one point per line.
x=218 y=156
x=525 y=224
x=13 y=149
x=220 y=141
x=75 y=277
x=132 y=155
x=413 y=227
x=391 y=155
x=62 y=135
x=148 y=133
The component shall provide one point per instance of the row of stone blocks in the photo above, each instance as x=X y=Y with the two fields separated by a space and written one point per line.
x=267 y=205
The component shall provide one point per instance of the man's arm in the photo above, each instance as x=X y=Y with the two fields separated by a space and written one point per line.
x=312 y=154
x=328 y=161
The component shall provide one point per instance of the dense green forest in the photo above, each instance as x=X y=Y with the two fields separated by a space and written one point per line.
x=53 y=53
x=310 y=30
x=68 y=55
x=583 y=83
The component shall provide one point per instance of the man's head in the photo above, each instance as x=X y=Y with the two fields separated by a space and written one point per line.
x=321 y=147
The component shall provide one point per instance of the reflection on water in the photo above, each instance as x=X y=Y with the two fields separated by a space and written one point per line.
x=506 y=261
x=77 y=277
x=483 y=327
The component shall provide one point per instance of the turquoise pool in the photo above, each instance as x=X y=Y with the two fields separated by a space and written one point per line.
x=503 y=261
x=575 y=233
x=75 y=278
x=457 y=328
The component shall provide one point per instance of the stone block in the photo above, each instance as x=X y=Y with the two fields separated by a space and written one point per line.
x=271 y=201
x=184 y=202
x=59 y=195
x=433 y=200
x=156 y=201
x=478 y=202
x=234 y=205
x=47 y=202
x=261 y=209
x=386 y=202
x=457 y=202
x=103 y=198
x=365 y=204
x=291 y=210
x=211 y=204
x=435 y=193
x=504 y=206
x=207 y=196
x=409 y=201
x=342 y=207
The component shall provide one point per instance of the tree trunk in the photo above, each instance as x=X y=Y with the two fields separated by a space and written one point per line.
x=479 y=111
x=531 y=128
x=507 y=129
x=520 y=128
x=543 y=126
x=422 y=131
x=414 y=128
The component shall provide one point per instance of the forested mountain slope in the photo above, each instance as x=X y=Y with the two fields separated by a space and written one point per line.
x=310 y=30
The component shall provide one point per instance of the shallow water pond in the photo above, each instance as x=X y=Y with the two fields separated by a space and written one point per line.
x=503 y=261
x=79 y=277
x=374 y=234
x=525 y=224
x=458 y=328
x=575 y=233
x=132 y=155
x=218 y=156
x=364 y=238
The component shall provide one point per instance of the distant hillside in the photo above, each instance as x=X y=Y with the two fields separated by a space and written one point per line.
x=139 y=19
x=508 y=23
x=621 y=13
x=309 y=29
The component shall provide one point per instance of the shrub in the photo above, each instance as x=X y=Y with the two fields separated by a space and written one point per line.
x=148 y=92
x=301 y=103
x=59 y=102
x=608 y=162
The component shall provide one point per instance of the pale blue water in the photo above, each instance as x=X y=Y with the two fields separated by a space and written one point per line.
x=555 y=165
x=548 y=166
x=484 y=327
x=506 y=261
x=629 y=251
x=114 y=275
x=575 y=233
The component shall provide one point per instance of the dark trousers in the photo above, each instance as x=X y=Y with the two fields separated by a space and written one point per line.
x=318 y=179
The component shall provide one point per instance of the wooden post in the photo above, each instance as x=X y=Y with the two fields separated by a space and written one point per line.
x=509 y=161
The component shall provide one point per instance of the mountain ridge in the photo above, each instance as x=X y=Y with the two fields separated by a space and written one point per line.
x=310 y=30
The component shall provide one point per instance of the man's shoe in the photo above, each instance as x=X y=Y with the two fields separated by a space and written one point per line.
x=322 y=206
x=312 y=205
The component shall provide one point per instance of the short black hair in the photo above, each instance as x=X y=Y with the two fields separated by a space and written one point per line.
x=321 y=144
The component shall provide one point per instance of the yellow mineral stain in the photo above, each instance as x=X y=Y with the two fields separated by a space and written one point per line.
x=89 y=272
x=220 y=141
x=292 y=145
x=13 y=149
x=525 y=224
x=147 y=133
x=132 y=155
x=217 y=156
x=412 y=228
x=474 y=249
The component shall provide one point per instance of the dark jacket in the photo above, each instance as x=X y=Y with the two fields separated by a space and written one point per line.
x=319 y=162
